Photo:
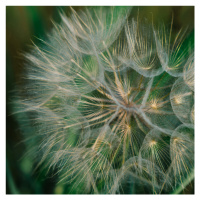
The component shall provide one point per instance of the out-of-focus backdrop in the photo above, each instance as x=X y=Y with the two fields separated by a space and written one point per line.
x=26 y=23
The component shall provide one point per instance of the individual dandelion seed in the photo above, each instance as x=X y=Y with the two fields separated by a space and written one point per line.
x=182 y=100
x=182 y=153
x=105 y=108
x=94 y=29
x=172 y=52
x=143 y=55
x=155 y=148
x=111 y=60
x=157 y=109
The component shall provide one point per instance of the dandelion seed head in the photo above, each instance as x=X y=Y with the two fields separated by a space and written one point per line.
x=111 y=101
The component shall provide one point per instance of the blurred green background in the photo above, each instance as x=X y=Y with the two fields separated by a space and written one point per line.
x=25 y=23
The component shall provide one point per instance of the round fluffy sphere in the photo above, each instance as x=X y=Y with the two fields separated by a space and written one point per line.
x=111 y=104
